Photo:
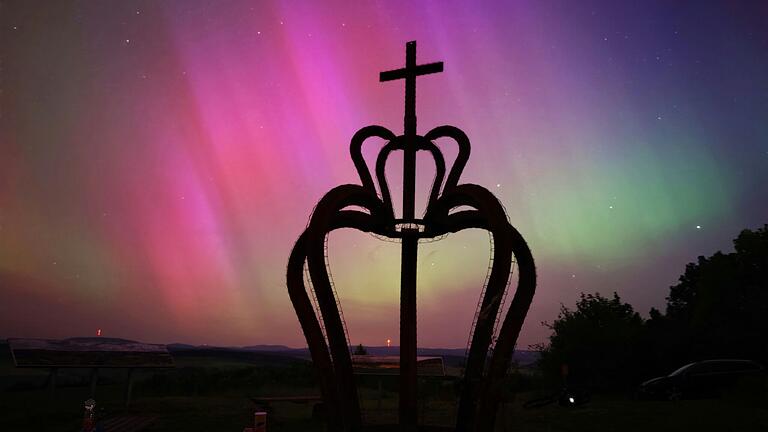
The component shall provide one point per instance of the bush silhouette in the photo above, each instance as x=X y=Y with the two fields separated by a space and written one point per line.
x=598 y=341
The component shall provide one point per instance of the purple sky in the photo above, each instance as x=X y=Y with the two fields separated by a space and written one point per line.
x=159 y=159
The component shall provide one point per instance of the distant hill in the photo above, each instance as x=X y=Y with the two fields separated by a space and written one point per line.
x=268 y=348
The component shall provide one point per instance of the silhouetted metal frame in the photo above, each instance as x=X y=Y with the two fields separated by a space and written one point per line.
x=482 y=388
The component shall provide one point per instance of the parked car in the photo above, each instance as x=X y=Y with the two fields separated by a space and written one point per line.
x=703 y=379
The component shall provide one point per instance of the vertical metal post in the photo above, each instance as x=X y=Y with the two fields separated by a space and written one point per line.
x=408 y=384
x=409 y=153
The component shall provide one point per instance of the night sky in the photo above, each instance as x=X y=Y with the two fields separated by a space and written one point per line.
x=159 y=159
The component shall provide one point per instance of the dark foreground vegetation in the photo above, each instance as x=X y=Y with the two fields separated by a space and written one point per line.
x=717 y=310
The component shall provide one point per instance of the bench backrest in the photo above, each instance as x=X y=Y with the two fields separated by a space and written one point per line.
x=88 y=352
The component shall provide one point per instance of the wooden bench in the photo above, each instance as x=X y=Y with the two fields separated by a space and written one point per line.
x=92 y=353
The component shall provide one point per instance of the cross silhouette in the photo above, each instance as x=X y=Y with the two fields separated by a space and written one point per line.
x=409 y=73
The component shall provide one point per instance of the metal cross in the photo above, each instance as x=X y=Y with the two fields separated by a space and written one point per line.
x=409 y=73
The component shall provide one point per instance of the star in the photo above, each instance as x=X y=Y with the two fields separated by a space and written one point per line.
x=127 y=41
x=610 y=207
x=698 y=226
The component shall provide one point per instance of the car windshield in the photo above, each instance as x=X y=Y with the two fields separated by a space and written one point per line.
x=682 y=369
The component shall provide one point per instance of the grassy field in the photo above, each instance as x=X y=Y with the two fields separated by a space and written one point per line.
x=210 y=393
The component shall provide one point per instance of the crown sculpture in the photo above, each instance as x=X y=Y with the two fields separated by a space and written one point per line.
x=482 y=382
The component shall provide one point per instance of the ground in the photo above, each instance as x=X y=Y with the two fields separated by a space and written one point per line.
x=210 y=394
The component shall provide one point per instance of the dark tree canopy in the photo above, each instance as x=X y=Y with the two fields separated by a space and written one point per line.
x=720 y=304
x=597 y=340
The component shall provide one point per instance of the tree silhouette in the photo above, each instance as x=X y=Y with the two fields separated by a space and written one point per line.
x=719 y=307
x=598 y=341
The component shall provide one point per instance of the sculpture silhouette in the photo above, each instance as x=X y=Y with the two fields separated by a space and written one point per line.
x=481 y=389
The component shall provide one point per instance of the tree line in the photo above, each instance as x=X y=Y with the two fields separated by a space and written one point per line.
x=717 y=309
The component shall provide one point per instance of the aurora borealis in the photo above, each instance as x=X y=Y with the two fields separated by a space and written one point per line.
x=159 y=159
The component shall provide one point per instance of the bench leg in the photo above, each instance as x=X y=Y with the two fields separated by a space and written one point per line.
x=94 y=380
x=129 y=388
x=381 y=393
x=52 y=381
